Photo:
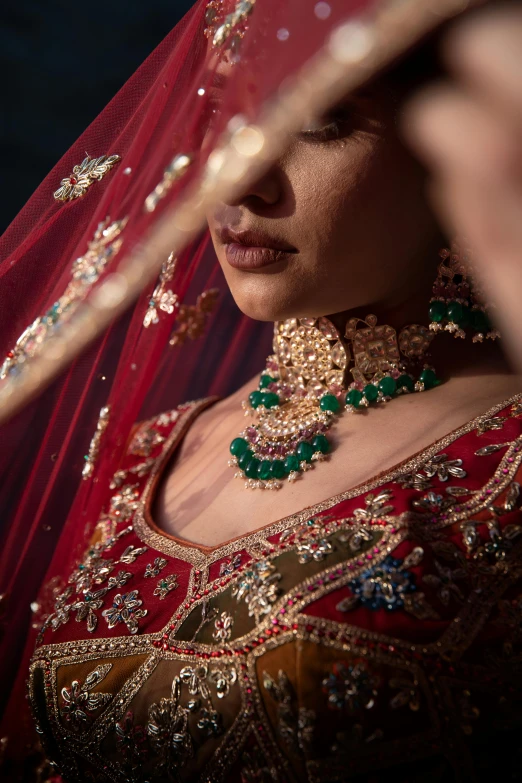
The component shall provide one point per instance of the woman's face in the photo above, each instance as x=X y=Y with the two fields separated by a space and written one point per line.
x=340 y=222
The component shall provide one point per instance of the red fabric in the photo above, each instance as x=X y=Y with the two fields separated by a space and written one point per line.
x=156 y=115
x=404 y=519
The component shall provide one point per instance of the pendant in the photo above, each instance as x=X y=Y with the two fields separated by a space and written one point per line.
x=304 y=388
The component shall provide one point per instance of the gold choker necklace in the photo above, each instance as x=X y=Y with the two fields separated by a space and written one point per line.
x=307 y=384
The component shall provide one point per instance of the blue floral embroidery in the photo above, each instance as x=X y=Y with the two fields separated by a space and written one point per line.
x=384 y=586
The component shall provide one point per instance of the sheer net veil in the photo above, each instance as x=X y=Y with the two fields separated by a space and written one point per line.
x=89 y=255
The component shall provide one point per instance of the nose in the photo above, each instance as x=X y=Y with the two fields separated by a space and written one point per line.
x=264 y=192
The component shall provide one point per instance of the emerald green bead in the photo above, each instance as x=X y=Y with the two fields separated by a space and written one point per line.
x=455 y=313
x=480 y=321
x=429 y=379
x=437 y=311
x=270 y=399
x=354 y=398
x=292 y=464
x=278 y=469
x=238 y=446
x=252 y=468
x=405 y=382
x=304 y=451
x=466 y=320
x=371 y=392
x=264 y=471
x=265 y=381
x=329 y=403
x=388 y=386
x=244 y=459
x=255 y=398
x=321 y=443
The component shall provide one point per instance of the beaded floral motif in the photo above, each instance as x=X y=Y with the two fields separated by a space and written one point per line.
x=155 y=568
x=125 y=610
x=61 y=612
x=442 y=467
x=311 y=543
x=192 y=319
x=140 y=470
x=131 y=743
x=408 y=693
x=162 y=298
x=85 y=609
x=167 y=730
x=493 y=551
x=295 y=725
x=85 y=272
x=258 y=588
x=350 y=687
x=223 y=627
x=166 y=739
x=223 y=678
x=79 y=703
x=131 y=553
x=90 y=170
x=165 y=586
x=434 y=503
x=93 y=570
x=228 y=566
x=120 y=580
x=145 y=440
x=389 y=585
x=376 y=506
x=125 y=502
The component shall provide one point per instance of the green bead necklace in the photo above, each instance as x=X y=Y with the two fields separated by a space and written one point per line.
x=303 y=390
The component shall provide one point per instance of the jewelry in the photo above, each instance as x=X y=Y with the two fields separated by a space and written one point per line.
x=457 y=303
x=304 y=388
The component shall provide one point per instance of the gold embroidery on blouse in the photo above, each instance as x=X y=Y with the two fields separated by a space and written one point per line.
x=200 y=559
x=353 y=553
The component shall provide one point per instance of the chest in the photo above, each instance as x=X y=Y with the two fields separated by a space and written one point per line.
x=198 y=499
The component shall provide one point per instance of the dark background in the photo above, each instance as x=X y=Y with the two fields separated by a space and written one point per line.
x=61 y=61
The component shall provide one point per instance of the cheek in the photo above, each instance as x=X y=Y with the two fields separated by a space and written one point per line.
x=363 y=202
x=334 y=188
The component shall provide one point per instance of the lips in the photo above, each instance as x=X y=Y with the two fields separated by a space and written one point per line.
x=249 y=249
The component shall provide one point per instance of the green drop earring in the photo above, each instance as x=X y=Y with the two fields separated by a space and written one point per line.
x=457 y=305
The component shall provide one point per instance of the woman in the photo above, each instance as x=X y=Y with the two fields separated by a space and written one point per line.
x=362 y=622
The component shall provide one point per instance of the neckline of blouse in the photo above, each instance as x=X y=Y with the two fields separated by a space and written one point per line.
x=255 y=541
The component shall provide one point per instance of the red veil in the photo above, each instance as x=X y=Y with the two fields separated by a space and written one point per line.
x=92 y=248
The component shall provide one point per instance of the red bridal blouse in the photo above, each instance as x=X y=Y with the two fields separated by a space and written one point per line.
x=375 y=636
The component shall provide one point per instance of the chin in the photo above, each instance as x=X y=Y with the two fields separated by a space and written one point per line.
x=272 y=303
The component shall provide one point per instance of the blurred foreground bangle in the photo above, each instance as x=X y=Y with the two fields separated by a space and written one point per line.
x=94 y=448
x=174 y=171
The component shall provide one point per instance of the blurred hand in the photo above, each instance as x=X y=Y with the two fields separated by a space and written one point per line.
x=469 y=133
